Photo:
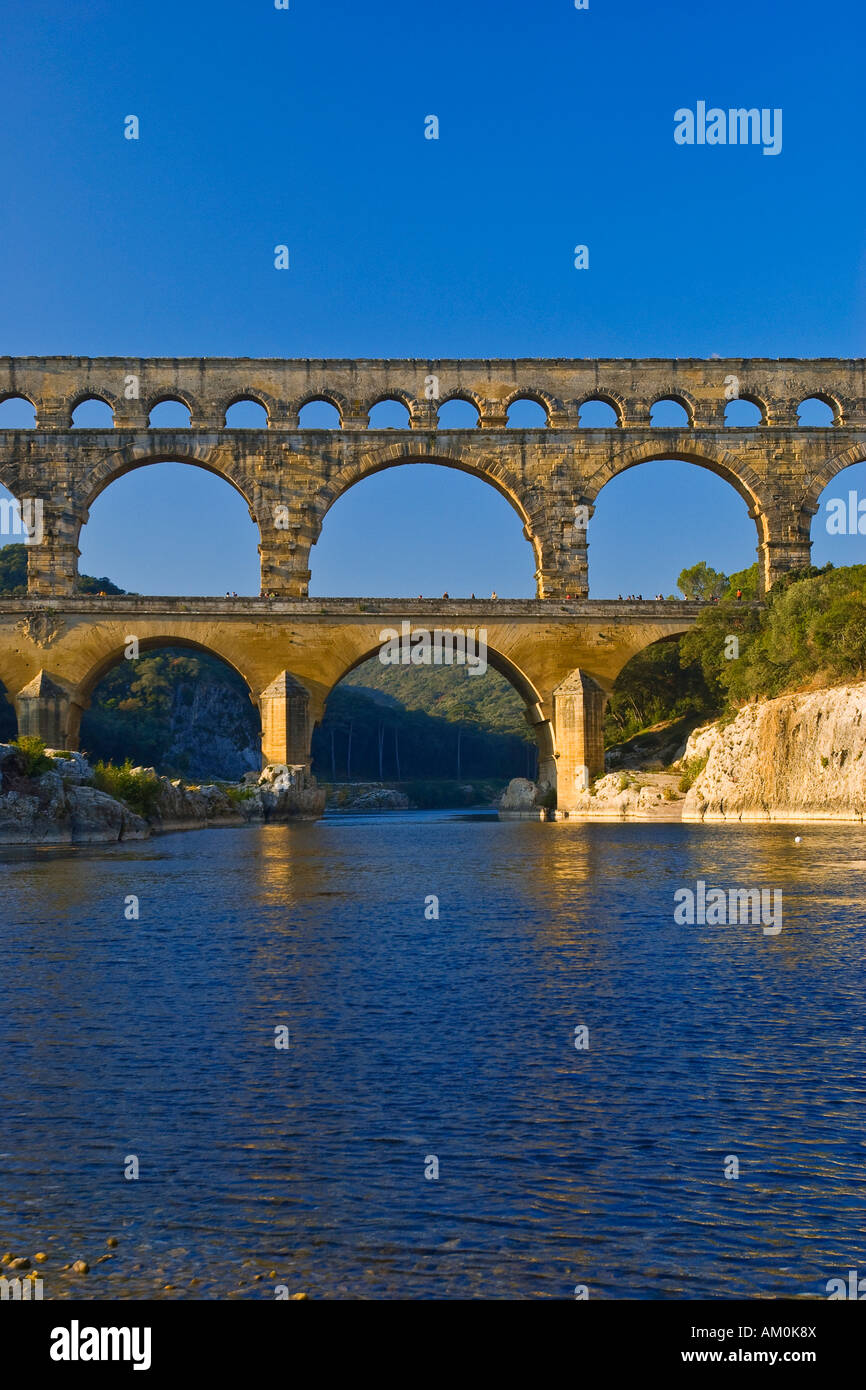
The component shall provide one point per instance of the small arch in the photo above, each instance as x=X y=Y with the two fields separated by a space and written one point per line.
x=817 y=412
x=389 y=413
x=17 y=413
x=670 y=412
x=92 y=413
x=458 y=413
x=527 y=413
x=246 y=413
x=743 y=413
x=319 y=413
x=599 y=413
x=169 y=413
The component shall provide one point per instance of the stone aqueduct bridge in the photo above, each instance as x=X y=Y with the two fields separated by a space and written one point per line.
x=561 y=651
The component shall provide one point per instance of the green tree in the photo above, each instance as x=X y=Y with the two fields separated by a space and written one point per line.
x=700 y=581
x=13 y=574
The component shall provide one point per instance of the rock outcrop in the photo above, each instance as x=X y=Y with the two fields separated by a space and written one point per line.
x=795 y=758
x=285 y=793
x=520 y=801
x=58 y=806
x=368 y=799
x=627 y=796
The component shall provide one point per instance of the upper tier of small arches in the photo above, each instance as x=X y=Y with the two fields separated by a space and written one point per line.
x=252 y=408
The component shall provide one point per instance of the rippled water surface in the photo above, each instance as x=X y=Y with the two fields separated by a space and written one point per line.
x=454 y=1038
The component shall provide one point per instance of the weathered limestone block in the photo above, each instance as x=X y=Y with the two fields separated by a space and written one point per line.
x=43 y=710
x=578 y=718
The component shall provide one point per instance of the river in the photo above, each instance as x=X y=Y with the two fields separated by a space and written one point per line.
x=413 y=1039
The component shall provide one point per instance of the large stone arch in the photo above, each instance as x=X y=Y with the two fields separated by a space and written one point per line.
x=832 y=466
x=493 y=471
x=113 y=653
x=532 y=698
x=220 y=461
x=728 y=466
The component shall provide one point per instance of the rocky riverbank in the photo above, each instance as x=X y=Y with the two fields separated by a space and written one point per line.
x=616 y=796
x=795 y=758
x=57 y=803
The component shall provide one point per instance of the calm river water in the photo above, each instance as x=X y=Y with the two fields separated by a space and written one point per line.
x=452 y=1038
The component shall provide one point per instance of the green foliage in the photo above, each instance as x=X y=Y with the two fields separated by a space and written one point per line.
x=656 y=685
x=435 y=793
x=700 y=581
x=420 y=719
x=448 y=692
x=88 y=585
x=748 y=581
x=134 y=706
x=32 y=751
x=13 y=574
x=13 y=569
x=139 y=791
x=691 y=768
x=238 y=794
x=813 y=631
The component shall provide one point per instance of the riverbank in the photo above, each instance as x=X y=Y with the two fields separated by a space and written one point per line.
x=799 y=757
x=50 y=797
x=793 y=759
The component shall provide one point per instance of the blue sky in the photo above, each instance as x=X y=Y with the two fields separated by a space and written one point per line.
x=306 y=127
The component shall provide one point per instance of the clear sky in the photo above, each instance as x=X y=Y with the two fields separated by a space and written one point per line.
x=306 y=126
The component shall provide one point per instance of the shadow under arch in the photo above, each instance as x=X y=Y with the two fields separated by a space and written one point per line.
x=8 y=716
x=649 y=685
x=540 y=725
x=82 y=694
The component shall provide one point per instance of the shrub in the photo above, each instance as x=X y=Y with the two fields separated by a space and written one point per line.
x=32 y=751
x=238 y=794
x=692 y=768
x=139 y=791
